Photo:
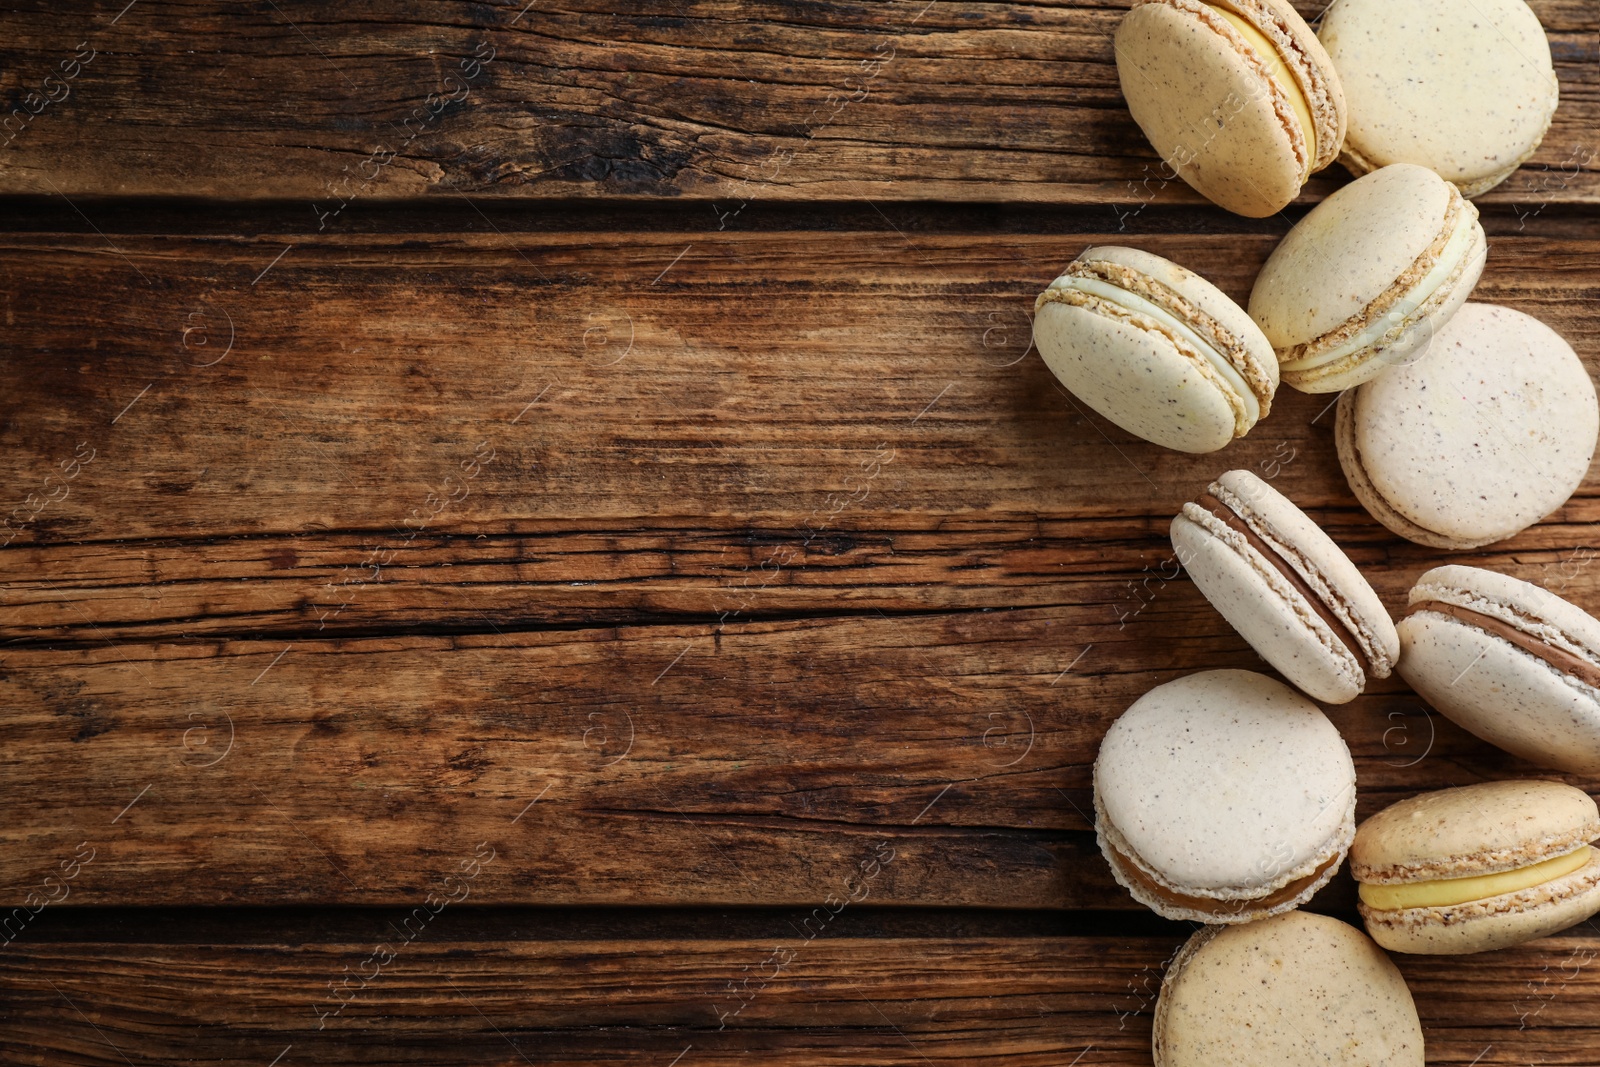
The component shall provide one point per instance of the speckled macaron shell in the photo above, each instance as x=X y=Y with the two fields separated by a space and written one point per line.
x=1223 y=797
x=1500 y=692
x=1464 y=89
x=1474 y=830
x=1209 y=104
x=1267 y=608
x=1299 y=990
x=1133 y=370
x=1355 y=265
x=1492 y=429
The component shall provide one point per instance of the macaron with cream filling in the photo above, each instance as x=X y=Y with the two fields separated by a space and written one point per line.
x=1156 y=349
x=1464 y=89
x=1368 y=277
x=1478 y=867
x=1237 y=96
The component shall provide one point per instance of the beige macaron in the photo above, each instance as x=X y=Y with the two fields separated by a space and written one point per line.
x=1478 y=867
x=1298 y=990
x=1489 y=431
x=1364 y=281
x=1155 y=348
x=1222 y=797
x=1237 y=96
x=1465 y=88
x=1508 y=661
x=1285 y=586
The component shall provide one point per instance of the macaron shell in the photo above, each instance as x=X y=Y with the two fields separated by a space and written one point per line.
x=1267 y=612
x=1471 y=830
x=1490 y=431
x=1287 y=525
x=1465 y=89
x=1206 y=108
x=1135 y=377
x=1486 y=925
x=1313 y=69
x=1227 y=783
x=1203 y=295
x=1405 y=342
x=1518 y=602
x=1501 y=694
x=1299 y=990
x=1344 y=446
x=1346 y=252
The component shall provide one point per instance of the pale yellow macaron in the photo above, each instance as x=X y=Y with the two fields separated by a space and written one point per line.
x=1478 y=867
x=1465 y=88
x=1299 y=990
x=1237 y=96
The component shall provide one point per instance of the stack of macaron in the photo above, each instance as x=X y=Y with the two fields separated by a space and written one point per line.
x=1228 y=797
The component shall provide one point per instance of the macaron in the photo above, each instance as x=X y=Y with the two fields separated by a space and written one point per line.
x=1479 y=867
x=1368 y=277
x=1508 y=661
x=1285 y=586
x=1237 y=96
x=1156 y=349
x=1299 y=990
x=1485 y=434
x=1464 y=89
x=1223 y=797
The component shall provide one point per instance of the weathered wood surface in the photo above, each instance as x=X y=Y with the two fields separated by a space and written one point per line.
x=788 y=1000
x=724 y=101
x=809 y=567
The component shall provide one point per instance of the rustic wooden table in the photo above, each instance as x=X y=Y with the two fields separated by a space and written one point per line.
x=537 y=535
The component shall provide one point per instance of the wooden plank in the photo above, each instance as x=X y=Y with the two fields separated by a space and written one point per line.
x=793 y=381
x=799 y=677
x=1012 y=1001
x=725 y=102
x=630 y=766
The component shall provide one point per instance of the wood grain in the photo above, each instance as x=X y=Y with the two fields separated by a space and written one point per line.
x=1012 y=1001
x=674 y=604
x=729 y=103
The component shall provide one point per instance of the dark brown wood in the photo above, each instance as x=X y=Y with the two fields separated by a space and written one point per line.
x=823 y=571
x=714 y=561
x=719 y=101
x=1045 y=1001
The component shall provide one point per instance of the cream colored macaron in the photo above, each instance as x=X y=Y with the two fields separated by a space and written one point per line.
x=1484 y=435
x=1237 y=96
x=1368 y=277
x=1508 y=661
x=1155 y=348
x=1479 y=867
x=1222 y=797
x=1285 y=586
x=1463 y=87
x=1299 y=990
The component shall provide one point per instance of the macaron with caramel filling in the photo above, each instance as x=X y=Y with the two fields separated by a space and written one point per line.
x=1489 y=431
x=1508 y=661
x=1479 y=867
x=1223 y=797
x=1285 y=586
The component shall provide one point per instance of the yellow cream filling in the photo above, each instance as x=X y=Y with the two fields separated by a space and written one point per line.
x=1280 y=74
x=1444 y=892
